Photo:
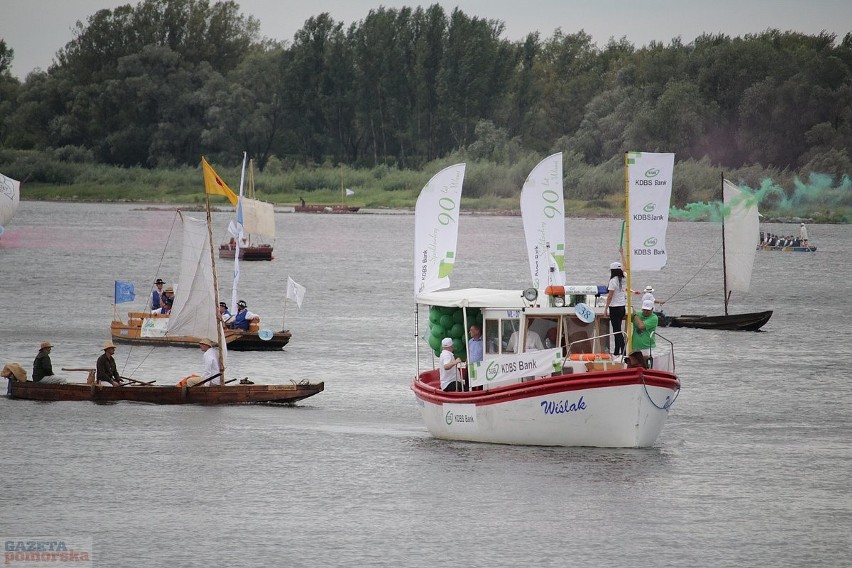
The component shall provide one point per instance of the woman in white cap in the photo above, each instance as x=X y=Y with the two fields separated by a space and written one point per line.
x=616 y=303
x=43 y=368
x=449 y=374
x=107 y=371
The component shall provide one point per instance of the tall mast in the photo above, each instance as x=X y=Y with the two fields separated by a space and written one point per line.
x=626 y=244
x=219 y=331
x=724 y=254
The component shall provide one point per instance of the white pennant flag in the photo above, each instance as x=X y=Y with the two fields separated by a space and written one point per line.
x=295 y=291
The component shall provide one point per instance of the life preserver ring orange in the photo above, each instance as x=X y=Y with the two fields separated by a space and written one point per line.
x=590 y=356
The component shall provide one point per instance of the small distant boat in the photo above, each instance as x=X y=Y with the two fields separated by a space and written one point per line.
x=731 y=322
x=809 y=248
x=302 y=207
x=247 y=252
x=740 y=222
x=325 y=209
x=10 y=196
x=257 y=219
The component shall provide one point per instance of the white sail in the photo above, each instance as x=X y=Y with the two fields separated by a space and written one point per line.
x=10 y=195
x=543 y=213
x=436 y=229
x=741 y=236
x=258 y=217
x=194 y=310
x=649 y=191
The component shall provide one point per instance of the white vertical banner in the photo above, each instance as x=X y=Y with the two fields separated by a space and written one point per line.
x=436 y=229
x=649 y=190
x=543 y=214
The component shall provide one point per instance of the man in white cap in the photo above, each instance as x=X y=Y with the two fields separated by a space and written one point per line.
x=107 y=372
x=449 y=374
x=43 y=368
x=644 y=328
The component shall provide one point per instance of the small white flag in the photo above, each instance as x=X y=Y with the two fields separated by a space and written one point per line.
x=295 y=291
x=236 y=229
x=349 y=192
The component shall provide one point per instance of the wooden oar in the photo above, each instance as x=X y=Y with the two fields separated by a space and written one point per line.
x=76 y=369
x=217 y=375
x=138 y=382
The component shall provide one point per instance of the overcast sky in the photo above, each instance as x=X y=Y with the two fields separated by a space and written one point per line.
x=37 y=29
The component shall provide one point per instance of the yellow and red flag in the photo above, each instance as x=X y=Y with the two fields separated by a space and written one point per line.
x=214 y=185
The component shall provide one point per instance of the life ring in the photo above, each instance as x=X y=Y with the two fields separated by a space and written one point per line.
x=590 y=356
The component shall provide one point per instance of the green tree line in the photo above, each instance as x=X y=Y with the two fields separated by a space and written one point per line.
x=158 y=84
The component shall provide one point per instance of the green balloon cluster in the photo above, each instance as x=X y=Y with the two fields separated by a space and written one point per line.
x=449 y=322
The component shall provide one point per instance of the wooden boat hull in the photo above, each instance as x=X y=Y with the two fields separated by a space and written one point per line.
x=236 y=339
x=788 y=249
x=623 y=408
x=214 y=395
x=733 y=322
x=258 y=252
x=325 y=209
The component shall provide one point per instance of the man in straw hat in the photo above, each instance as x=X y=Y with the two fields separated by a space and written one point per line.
x=648 y=294
x=43 y=368
x=107 y=371
x=210 y=361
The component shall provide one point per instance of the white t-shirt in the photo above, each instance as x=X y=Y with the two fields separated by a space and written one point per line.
x=447 y=375
x=648 y=296
x=533 y=342
x=211 y=366
x=619 y=295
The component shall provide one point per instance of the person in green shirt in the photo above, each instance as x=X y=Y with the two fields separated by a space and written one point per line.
x=644 y=327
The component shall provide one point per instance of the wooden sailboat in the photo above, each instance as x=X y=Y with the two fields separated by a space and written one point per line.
x=258 y=220
x=303 y=207
x=739 y=241
x=176 y=329
x=195 y=314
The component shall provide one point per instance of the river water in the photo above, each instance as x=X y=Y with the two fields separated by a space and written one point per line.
x=752 y=468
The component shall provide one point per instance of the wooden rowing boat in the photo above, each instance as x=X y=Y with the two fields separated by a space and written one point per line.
x=153 y=394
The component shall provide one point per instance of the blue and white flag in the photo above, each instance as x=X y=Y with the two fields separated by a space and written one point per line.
x=124 y=292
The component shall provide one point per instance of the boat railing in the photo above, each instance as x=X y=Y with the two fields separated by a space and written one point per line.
x=594 y=338
x=656 y=335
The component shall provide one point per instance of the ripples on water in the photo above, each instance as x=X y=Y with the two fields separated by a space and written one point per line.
x=751 y=469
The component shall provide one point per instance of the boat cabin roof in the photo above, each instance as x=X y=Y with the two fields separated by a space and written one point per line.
x=491 y=298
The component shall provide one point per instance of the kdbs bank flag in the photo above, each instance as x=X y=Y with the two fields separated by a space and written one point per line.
x=649 y=190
